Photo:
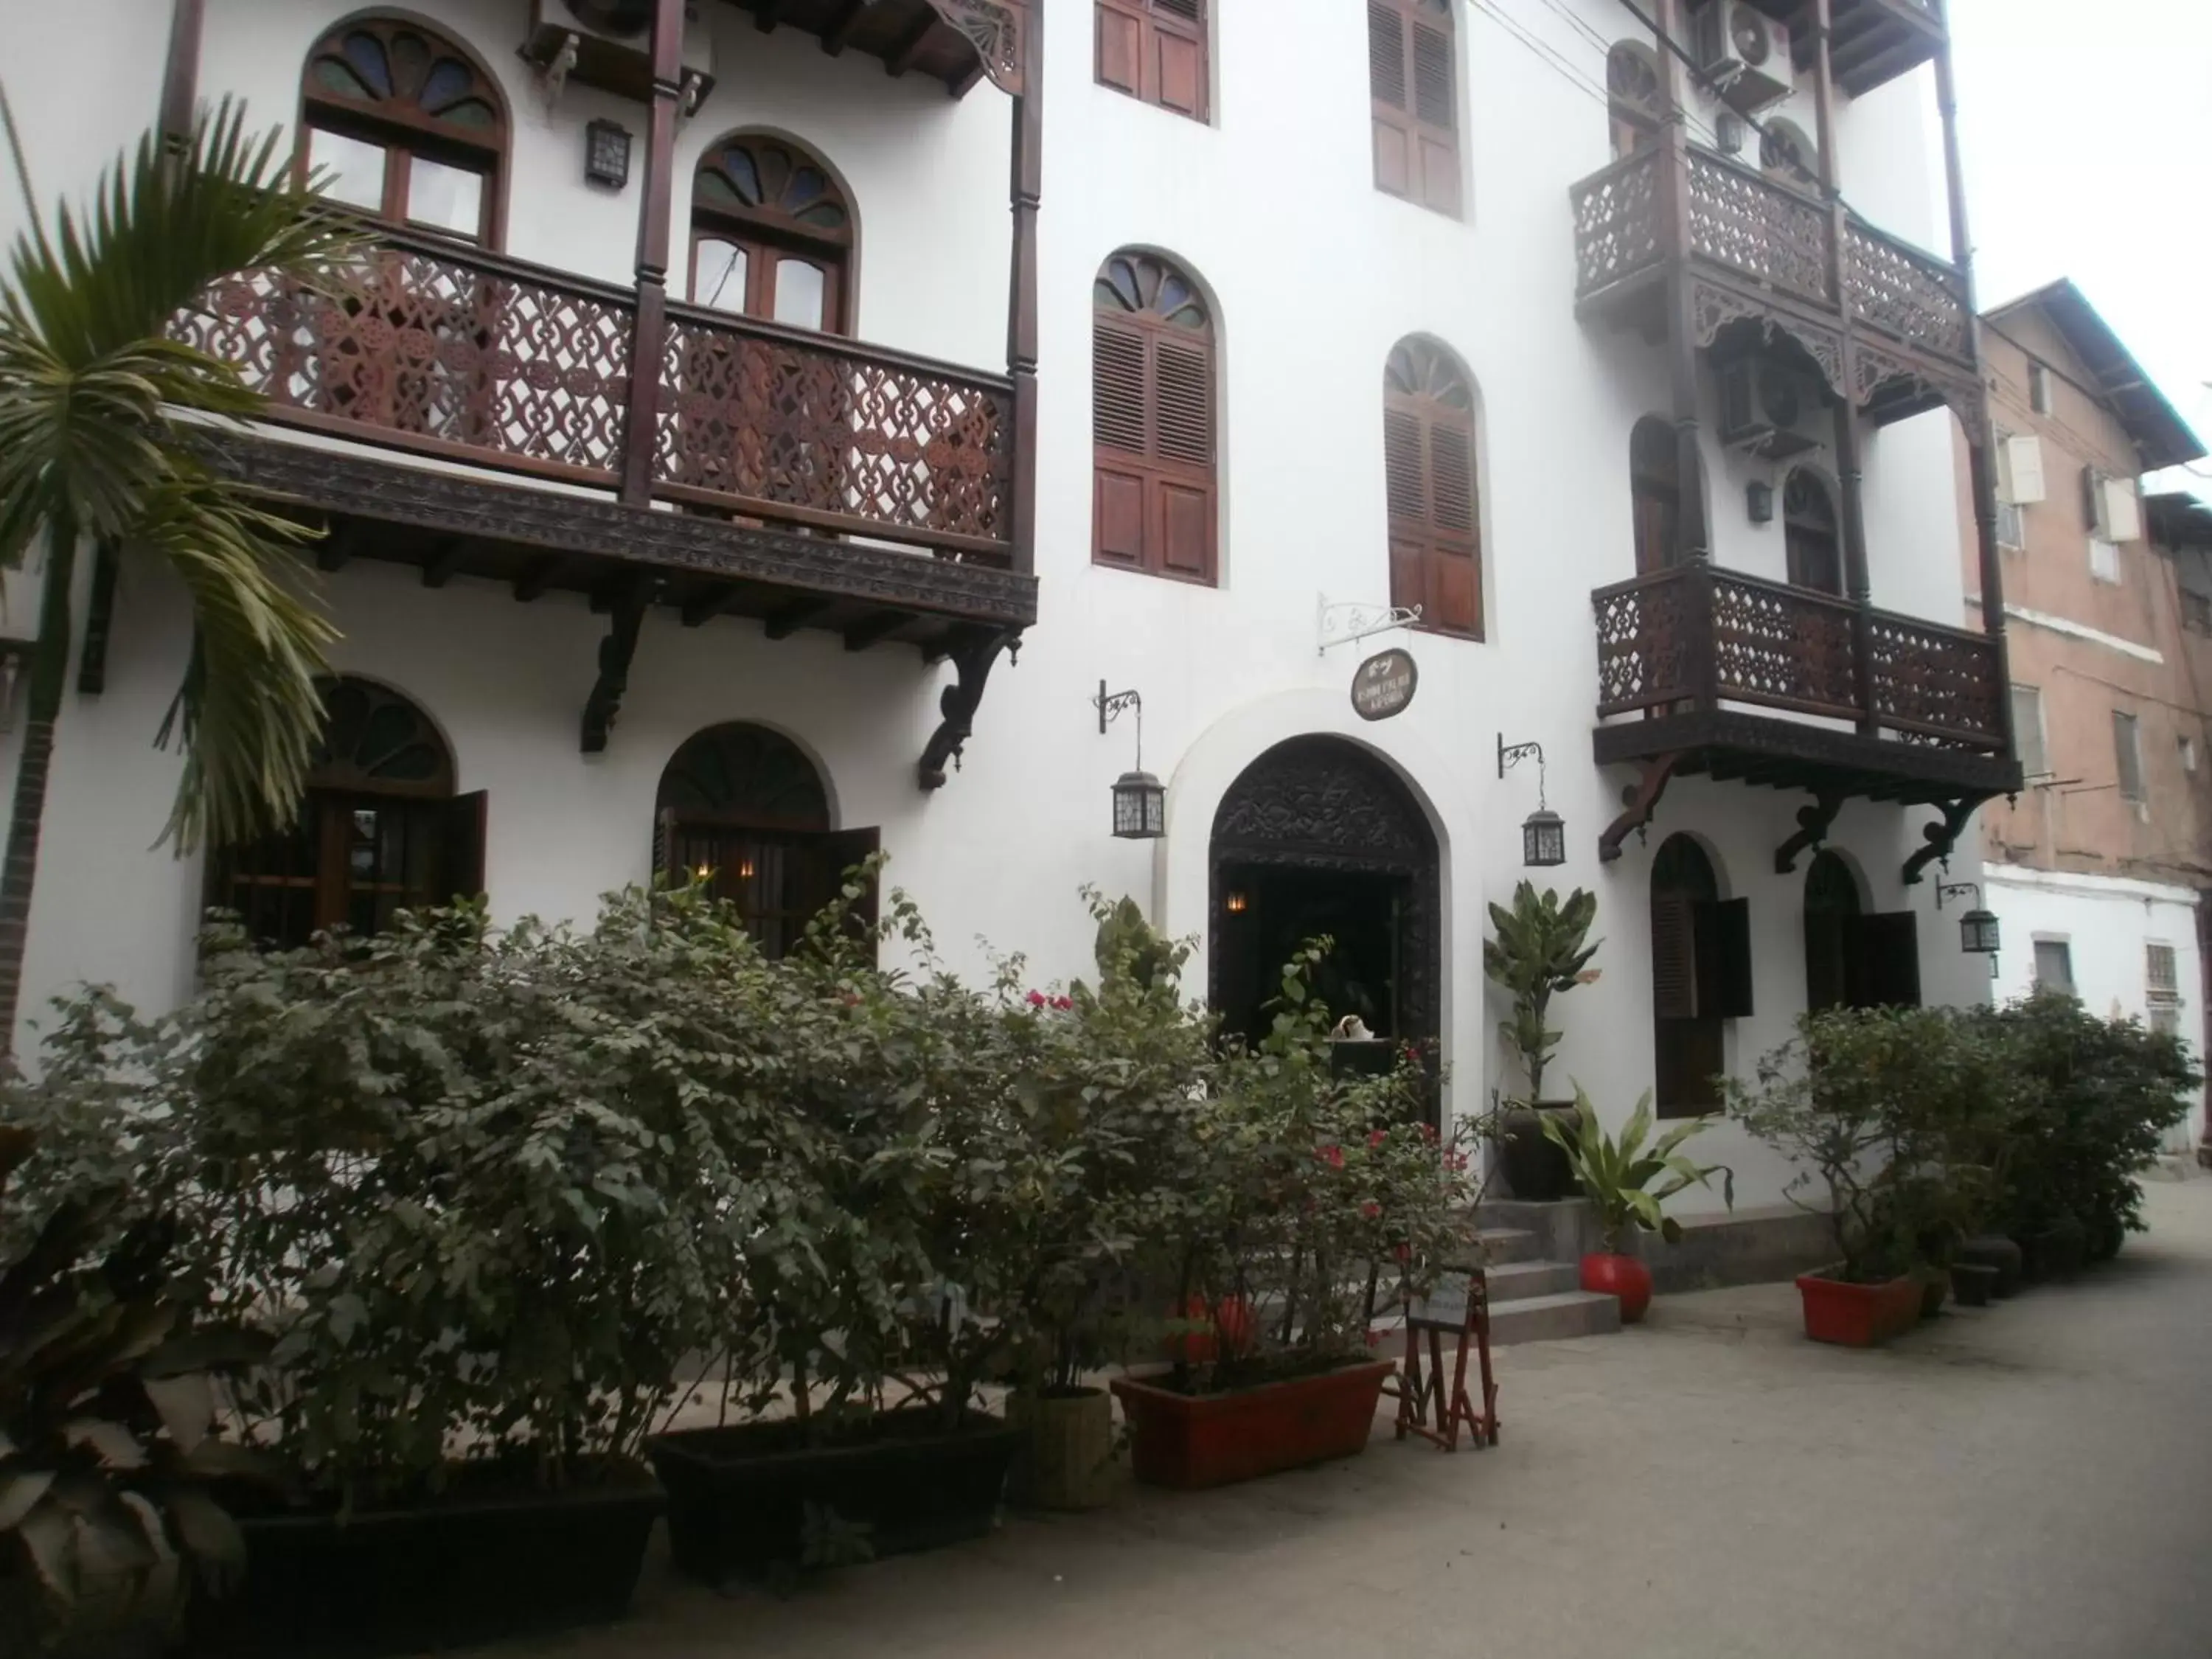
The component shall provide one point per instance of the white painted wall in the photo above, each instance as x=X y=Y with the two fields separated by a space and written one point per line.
x=1263 y=206
x=2107 y=922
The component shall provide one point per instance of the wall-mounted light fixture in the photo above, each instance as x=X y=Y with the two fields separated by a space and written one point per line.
x=1758 y=501
x=1727 y=132
x=1544 y=833
x=1237 y=904
x=606 y=153
x=744 y=869
x=1977 y=928
x=1140 y=800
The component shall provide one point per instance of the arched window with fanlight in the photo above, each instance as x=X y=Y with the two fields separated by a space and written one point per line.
x=1429 y=466
x=1853 y=958
x=743 y=810
x=1634 y=100
x=1700 y=975
x=404 y=124
x=380 y=829
x=1808 y=528
x=1787 y=154
x=1152 y=406
x=772 y=234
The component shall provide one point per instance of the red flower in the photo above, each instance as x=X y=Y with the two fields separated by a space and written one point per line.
x=1428 y=1133
x=1332 y=1155
x=1456 y=1163
x=1063 y=1003
x=1403 y=1252
x=1374 y=1339
x=1376 y=1137
x=1370 y=1211
x=1037 y=999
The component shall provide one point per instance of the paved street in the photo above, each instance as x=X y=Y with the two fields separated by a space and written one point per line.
x=2028 y=1480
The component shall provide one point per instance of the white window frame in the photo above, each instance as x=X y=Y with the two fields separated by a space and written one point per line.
x=2039 y=386
x=2042 y=733
x=2064 y=942
x=2104 y=562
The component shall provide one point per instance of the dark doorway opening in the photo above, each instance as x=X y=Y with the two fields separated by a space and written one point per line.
x=1272 y=909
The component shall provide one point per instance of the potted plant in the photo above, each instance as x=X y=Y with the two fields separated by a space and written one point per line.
x=1293 y=1181
x=1618 y=1177
x=1536 y=951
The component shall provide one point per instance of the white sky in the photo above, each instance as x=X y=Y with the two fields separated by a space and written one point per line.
x=2083 y=122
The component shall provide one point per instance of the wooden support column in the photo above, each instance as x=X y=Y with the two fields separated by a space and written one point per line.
x=1026 y=193
x=180 y=77
x=1681 y=323
x=657 y=200
x=1981 y=463
x=1849 y=471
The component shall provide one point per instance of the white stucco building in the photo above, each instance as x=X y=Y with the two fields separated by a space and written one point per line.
x=1524 y=214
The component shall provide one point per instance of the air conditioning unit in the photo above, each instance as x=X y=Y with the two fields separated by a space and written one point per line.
x=1746 y=53
x=1762 y=400
x=608 y=44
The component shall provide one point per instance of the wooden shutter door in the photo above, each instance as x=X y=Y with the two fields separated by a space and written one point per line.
x=1436 y=107
x=1121 y=48
x=1722 y=934
x=1119 y=395
x=1389 y=87
x=1884 y=957
x=1405 y=464
x=1182 y=448
x=463 y=847
x=1175 y=56
x=1428 y=467
x=1674 y=958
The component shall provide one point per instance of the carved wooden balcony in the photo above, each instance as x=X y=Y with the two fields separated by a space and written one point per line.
x=1864 y=702
x=1759 y=250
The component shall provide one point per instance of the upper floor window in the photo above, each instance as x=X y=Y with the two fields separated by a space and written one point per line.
x=1412 y=74
x=2039 y=388
x=771 y=235
x=2127 y=751
x=1155 y=50
x=381 y=830
x=1808 y=523
x=406 y=125
x=1633 y=96
x=1152 y=419
x=1655 y=484
x=1428 y=458
x=2054 y=965
x=1787 y=154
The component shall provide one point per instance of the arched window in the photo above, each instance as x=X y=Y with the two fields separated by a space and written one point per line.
x=407 y=125
x=771 y=234
x=1152 y=420
x=1787 y=154
x=1832 y=910
x=1700 y=976
x=742 y=809
x=1412 y=80
x=381 y=830
x=1428 y=458
x=1808 y=528
x=1654 y=478
x=1632 y=87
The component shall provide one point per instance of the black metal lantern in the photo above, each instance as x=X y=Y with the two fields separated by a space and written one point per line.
x=1977 y=928
x=606 y=153
x=1140 y=806
x=1140 y=800
x=1544 y=833
x=1759 y=502
x=1543 y=839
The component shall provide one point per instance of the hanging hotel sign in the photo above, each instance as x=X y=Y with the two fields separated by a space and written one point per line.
x=1384 y=684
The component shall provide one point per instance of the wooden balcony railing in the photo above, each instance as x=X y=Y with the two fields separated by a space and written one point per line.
x=446 y=350
x=1781 y=240
x=1696 y=636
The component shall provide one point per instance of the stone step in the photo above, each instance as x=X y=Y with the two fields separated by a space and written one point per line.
x=1508 y=1244
x=1517 y=1281
x=1549 y=1318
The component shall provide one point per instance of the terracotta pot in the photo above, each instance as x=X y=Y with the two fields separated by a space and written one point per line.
x=1607 y=1273
x=1189 y=1441
x=1859 y=1315
x=1536 y=1171
x=1066 y=1459
x=1973 y=1283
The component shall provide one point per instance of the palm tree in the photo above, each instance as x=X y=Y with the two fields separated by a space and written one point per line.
x=98 y=406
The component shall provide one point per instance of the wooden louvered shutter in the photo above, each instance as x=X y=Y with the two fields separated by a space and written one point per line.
x=1119 y=395
x=1152 y=420
x=1414 y=82
x=1435 y=549
x=1674 y=958
x=1405 y=464
x=1155 y=50
x=1182 y=437
x=1722 y=931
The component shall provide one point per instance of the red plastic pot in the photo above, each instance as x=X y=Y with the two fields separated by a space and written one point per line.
x=1188 y=1441
x=1859 y=1315
x=1605 y=1274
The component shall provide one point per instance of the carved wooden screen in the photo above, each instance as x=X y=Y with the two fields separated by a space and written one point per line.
x=1155 y=50
x=1413 y=75
x=1428 y=452
x=403 y=123
x=1152 y=403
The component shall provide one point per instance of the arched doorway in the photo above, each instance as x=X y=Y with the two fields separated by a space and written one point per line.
x=1320 y=835
x=379 y=831
x=742 y=809
x=1700 y=976
x=1833 y=909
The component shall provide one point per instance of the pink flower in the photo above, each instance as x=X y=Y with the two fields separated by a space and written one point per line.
x=1063 y=1003
x=1456 y=1163
x=1037 y=999
x=1374 y=1339
x=1333 y=1156
x=1403 y=1252
x=1428 y=1133
x=1375 y=1138
x=1370 y=1211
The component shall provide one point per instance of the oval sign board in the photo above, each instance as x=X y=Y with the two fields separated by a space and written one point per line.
x=1384 y=684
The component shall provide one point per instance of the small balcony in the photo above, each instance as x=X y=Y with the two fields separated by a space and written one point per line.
x=1863 y=703
x=807 y=480
x=1758 y=249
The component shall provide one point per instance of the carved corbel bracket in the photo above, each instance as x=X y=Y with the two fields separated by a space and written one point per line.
x=971 y=662
x=617 y=652
x=1943 y=835
x=994 y=28
x=1639 y=801
x=1813 y=823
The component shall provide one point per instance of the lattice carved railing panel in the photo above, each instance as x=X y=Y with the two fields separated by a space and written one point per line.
x=1739 y=220
x=441 y=351
x=1648 y=637
x=1906 y=294
x=827 y=428
x=1937 y=684
x=1778 y=646
x=1617 y=221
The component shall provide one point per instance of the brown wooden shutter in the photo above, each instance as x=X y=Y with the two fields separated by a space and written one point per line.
x=1386 y=85
x=1405 y=464
x=1155 y=50
x=1723 y=946
x=1153 y=459
x=1884 y=954
x=1674 y=958
x=1121 y=46
x=1119 y=400
x=464 y=829
x=1182 y=439
x=1414 y=82
x=1429 y=466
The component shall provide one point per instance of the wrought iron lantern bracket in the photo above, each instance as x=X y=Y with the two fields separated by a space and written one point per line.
x=1341 y=621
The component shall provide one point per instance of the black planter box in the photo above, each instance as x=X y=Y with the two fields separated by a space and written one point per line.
x=454 y=1574
x=738 y=1498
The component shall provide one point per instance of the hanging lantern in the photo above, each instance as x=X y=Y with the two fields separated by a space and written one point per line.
x=1140 y=806
x=1977 y=933
x=1543 y=839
